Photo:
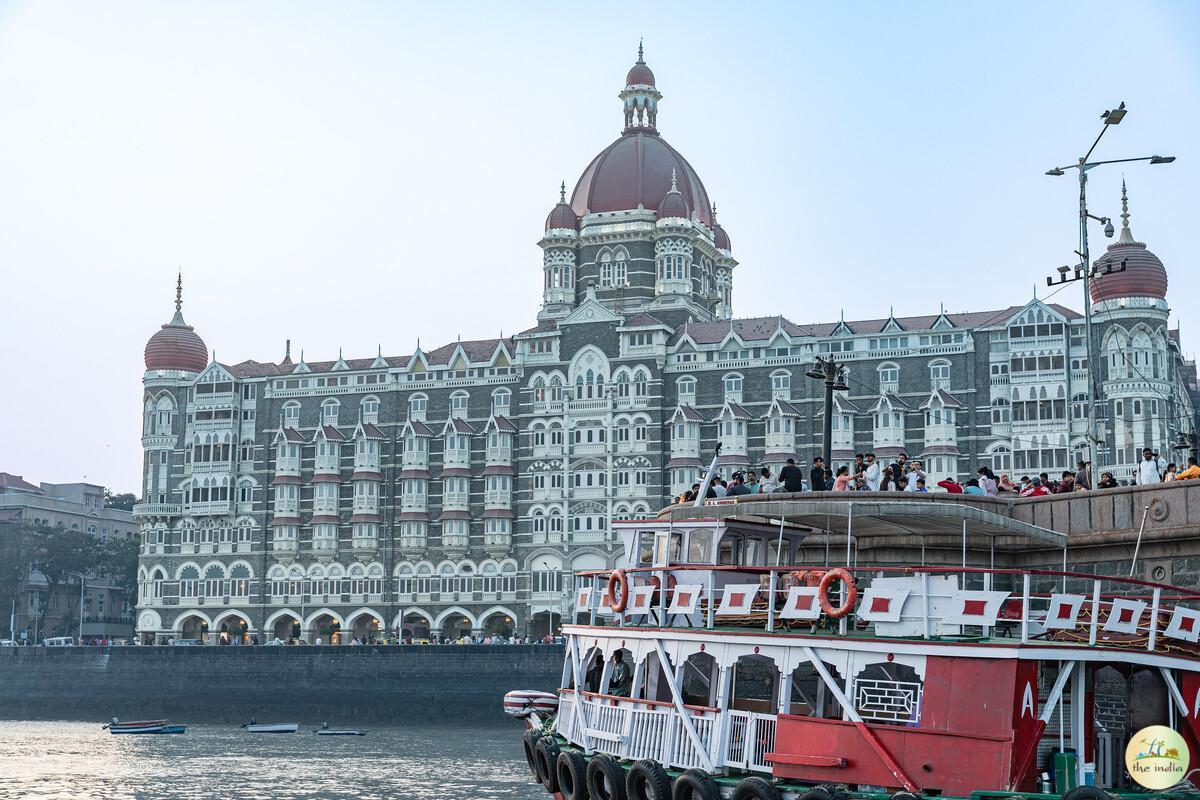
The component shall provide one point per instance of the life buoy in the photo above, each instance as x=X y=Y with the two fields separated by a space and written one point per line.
x=848 y=600
x=611 y=600
x=521 y=703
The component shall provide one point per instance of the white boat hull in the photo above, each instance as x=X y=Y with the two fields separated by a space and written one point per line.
x=285 y=727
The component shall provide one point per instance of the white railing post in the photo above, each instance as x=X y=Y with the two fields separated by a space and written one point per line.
x=771 y=602
x=1154 y=620
x=1025 y=609
x=1095 y=612
x=712 y=598
x=925 y=632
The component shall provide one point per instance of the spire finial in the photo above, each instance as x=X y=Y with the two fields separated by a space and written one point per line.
x=562 y=192
x=179 y=292
x=714 y=214
x=1126 y=234
x=287 y=350
x=674 y=184
x=339 y=354
x=379 y=350
x=641 y=59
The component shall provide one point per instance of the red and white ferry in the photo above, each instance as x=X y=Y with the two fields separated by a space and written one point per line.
x=765 y=663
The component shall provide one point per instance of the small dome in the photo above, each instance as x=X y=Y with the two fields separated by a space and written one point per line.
x=177 y=345
x=1144 y=275
x=562 y=215
x=673 y=204
x=721 y=238
x=639 y=74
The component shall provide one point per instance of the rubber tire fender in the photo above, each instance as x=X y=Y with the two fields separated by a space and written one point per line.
x=648 y=779
x=545 y=755
x=755 y=789
x=1087 y=793
x=572 y=775
x=529 y=741
x=605 y=779
x=817 y=793
x=695 y=784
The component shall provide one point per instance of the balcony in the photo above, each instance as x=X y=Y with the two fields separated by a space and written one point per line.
x=364 y=546
x=456 y=545
x=362 y=505
x=497 y=497
x=157 y=510
x=587 y=537
x=625 y=403
x=458 y=501
x=413 y=546
x=589 y=492
x=285 y=548
x=324 y=549
x=499 y=455
x=589 y=406
x=548 y=407
x=413 y=503
x=547 y=495
x=632 y=446
x=687 y=399
x=547 y=537
x=497 y=545
x=547 y=451
x=589 y=448
x=212 y=508
x=456 y=459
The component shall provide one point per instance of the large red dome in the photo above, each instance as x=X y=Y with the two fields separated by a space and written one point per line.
x=1144 y=275
x=176 y=346
x=634 y=171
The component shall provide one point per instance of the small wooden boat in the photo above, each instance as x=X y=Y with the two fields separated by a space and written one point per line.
x=268 y=727
x=325 y=730
x=172 y=729
x=135 y=726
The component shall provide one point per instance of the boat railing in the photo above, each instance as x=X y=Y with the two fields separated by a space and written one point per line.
x=635 y=729
x=907 y=601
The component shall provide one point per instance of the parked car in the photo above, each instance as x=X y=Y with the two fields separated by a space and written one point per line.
x=186 y=643
x=8 y=643
x=59 y=641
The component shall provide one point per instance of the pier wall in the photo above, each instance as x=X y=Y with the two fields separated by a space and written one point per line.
x=344 y=685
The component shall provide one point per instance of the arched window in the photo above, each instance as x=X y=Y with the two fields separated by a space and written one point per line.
x=291 y=415
x=1079 y=406
x=686 y=388
x=733 y=387
x=329 y=412
x=889 y=377
x=640 y=384
x=1000 y=411
x=620 y=268
x=458 y=405
x=781 y=385
x=417 y=404
x=370 y=409
x=939 y=374
x=189 y=577
x=606 y=269
x=501 y=402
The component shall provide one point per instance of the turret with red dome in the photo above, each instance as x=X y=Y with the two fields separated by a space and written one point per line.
x=176 y=346
x=1144 y=274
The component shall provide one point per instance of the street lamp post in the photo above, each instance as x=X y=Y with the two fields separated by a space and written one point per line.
x=834 y=376
x=1084 y=270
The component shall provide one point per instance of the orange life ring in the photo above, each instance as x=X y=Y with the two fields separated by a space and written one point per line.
x=847 y=605
x=610 y=596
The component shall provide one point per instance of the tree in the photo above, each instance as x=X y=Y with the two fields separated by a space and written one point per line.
x=59 y=553
x=123 y=502
x=15 y=552
x=119 y=561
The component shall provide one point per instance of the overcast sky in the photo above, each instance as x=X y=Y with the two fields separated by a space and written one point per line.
x=353 y=174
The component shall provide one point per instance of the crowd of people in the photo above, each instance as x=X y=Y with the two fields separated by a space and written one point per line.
x=868 y=474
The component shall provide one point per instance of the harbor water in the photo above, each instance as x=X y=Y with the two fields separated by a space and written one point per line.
x=78 y=760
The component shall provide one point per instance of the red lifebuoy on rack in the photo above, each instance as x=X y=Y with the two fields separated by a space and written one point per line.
x=611 y=599
x=851 y=593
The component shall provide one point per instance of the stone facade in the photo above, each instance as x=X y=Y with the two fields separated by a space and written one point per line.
x=459 y=488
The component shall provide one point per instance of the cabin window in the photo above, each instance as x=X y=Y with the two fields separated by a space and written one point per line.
x=646 y=548
x=810 y=696
x=755 y=681
x=753 y=554
x=729 y=552
x=699 y=547
x=676 y=547
x=699 y=680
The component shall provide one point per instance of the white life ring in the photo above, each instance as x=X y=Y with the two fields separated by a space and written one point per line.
x=522 y=702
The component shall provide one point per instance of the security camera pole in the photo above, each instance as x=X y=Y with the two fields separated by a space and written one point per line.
x=834 y=374
x=1084 y=270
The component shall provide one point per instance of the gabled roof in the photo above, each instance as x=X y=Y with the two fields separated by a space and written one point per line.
x=785 y=408
x=291 y=435
x=688 y=413
x=842 y=404
x=460 y=426
x=331 y=433
x=750 y=329
x=546 y=327
x=972 y=319
x=418 y=427
x=948 y=400
x=17 y=483
x=644 y=320
x=892 y=400
x=369 y=431
x=736 y=411
x=502 y=424
x=476 y=351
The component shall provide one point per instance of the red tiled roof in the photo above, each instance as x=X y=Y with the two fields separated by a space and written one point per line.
x=456 y=472
x=893 y=400
x=279 y=521
x=293 y=435
x=332 y=434
x=327 y=477
x=416 y=473
x=787 y=408
x=278 y=479
x=366 y=475
x=420 y=428
x=690 y=414
x=497 y=469
x=325 y=519
x=545 y=327
x=501 y=513
x=504 y=424
x=366 y=518
x=644 y=320
x=455 y=515
x=477 y=351
x=10 y=481
x=415 y=515
x=684 y=462
x=941 y=450
x=462 y=426
x=948 y=400
x=372 y=432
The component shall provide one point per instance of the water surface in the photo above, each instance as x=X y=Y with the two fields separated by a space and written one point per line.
x=79 y=761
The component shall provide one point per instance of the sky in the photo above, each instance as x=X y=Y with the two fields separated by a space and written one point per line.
x=354 y=175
